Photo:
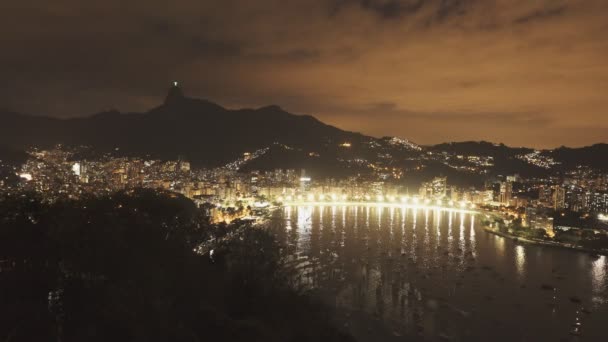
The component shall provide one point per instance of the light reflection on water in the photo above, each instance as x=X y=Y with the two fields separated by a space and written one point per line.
x=598 y=280
x=520 y=260
x=419 y=276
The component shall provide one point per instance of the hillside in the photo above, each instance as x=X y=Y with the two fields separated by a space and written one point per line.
x=200 y=131
x=210 y=135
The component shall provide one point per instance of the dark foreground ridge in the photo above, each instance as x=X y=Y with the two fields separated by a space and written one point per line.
x=123 y=268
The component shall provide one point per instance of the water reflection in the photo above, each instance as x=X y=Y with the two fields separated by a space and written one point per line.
x=500 y=245
x=461 y=233
x=520 y=260
x=598 y=280
x=423 y=278
x=472 y=237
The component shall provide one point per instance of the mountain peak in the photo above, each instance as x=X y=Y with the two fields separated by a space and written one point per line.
x=273 y=108
x=175 y=94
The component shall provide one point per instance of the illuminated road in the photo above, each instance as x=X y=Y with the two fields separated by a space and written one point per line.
x=460 y=207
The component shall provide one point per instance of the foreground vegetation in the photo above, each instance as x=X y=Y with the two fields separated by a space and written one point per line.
x=124 y=268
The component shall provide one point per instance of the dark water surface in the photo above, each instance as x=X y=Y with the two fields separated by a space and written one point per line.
x=432 y=275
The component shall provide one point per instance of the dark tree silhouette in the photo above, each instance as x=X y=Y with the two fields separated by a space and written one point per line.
x=122 y=268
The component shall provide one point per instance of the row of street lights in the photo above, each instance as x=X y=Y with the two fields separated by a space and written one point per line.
x=407 y=200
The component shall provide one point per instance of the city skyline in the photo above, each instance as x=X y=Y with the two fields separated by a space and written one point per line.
x=517 y=72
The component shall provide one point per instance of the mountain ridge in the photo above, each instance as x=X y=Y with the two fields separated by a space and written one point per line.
x=179 y=126
x=210 y=135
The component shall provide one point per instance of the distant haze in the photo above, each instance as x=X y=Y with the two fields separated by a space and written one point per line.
x=521 y=72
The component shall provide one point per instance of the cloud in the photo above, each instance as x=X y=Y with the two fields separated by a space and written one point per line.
x=493 y=68
x=544 y=13
x=394 y=8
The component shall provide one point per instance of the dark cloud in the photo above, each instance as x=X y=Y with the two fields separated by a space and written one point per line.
x=448 y=8
x=540 y=14
x=392 y=8
x=384 y=8
x=440 y=10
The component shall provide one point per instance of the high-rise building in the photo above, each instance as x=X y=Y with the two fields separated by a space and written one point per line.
x=440 y=185
x=559 y=198
x=304 y=182
x=506 y=191
x=436 y=188
x=454 y=194
x=575 y=198
x=425 y=191
x=598 y=202
x=545 y=196
x=514 y=178
x=184 y=166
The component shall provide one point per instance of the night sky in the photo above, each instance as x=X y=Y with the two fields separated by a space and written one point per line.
x=522 y=72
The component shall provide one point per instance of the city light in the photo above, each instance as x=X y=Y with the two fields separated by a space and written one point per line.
x=76 y=169
x=27 y=176
x=380 y=200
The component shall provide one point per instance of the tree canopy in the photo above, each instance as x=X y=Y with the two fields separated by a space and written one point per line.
x=123 y=268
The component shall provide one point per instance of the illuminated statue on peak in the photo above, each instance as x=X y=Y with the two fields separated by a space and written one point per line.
x=175 y=94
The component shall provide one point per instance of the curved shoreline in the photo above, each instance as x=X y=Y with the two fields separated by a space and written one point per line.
x=453 y=209
x=516 y=238
x=390 y=204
